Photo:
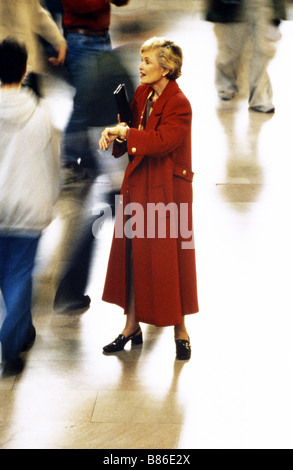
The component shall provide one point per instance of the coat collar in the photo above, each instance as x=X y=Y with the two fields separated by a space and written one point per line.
x=171 y=89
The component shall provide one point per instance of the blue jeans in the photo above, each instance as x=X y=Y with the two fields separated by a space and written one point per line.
x=82 y=49
x=17 y=256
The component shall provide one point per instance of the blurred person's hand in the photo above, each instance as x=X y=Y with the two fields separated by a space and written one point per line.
x=273 y=33
x=59 y=60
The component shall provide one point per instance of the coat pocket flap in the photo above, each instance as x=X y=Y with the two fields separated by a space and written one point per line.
x=183 y=173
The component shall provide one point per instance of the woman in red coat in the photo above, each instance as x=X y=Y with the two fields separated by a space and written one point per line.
x=151 y=272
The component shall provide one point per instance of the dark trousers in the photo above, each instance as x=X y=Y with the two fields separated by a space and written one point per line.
x=17 y=257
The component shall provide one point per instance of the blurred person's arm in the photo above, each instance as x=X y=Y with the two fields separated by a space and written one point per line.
x=278 y=14
x=45 y=26
x=279 y=11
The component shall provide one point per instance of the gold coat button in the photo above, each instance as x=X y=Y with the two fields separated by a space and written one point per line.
x=184 y=172
x=133 y=150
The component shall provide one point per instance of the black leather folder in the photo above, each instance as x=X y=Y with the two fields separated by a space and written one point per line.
x=122 y=103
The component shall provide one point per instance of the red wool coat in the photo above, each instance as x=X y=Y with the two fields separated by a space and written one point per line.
x=156 y=201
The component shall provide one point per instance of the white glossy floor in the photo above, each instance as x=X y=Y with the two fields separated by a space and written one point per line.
x=236 y=391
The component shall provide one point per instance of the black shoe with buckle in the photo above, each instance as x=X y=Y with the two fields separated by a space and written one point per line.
x=183 y=349
x=119 y=343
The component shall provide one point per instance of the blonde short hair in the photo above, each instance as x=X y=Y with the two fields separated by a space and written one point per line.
x=170 y=55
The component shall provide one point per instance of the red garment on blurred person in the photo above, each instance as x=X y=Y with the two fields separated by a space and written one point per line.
x=93 y=15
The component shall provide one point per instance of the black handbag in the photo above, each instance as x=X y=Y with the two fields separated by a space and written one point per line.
x=122 y=103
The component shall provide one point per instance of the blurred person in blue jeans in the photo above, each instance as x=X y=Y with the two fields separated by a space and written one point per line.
x=29 y=186
x=86 y=28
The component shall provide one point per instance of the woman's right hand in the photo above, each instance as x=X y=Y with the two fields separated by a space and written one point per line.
x=110 y=134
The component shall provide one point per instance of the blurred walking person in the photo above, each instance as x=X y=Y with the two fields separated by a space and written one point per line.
x=25 y=21
x=29 y=185
x=246 y=30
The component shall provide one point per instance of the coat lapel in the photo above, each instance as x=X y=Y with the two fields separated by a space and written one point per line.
x=170 y=90
x=155 y=115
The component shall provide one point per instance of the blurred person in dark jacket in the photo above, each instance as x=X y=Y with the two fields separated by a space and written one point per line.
x=86 y=28
x=96 y=99
x=239 y=25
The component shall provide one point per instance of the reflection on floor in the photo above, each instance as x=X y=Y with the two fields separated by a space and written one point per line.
x=236 y=391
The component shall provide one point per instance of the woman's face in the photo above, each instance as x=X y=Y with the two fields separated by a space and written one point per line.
x=150 y=70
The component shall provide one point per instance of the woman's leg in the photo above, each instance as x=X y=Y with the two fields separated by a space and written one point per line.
x=131 y=325
x=180 y=331
x=183 y=347
x=132 y=329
